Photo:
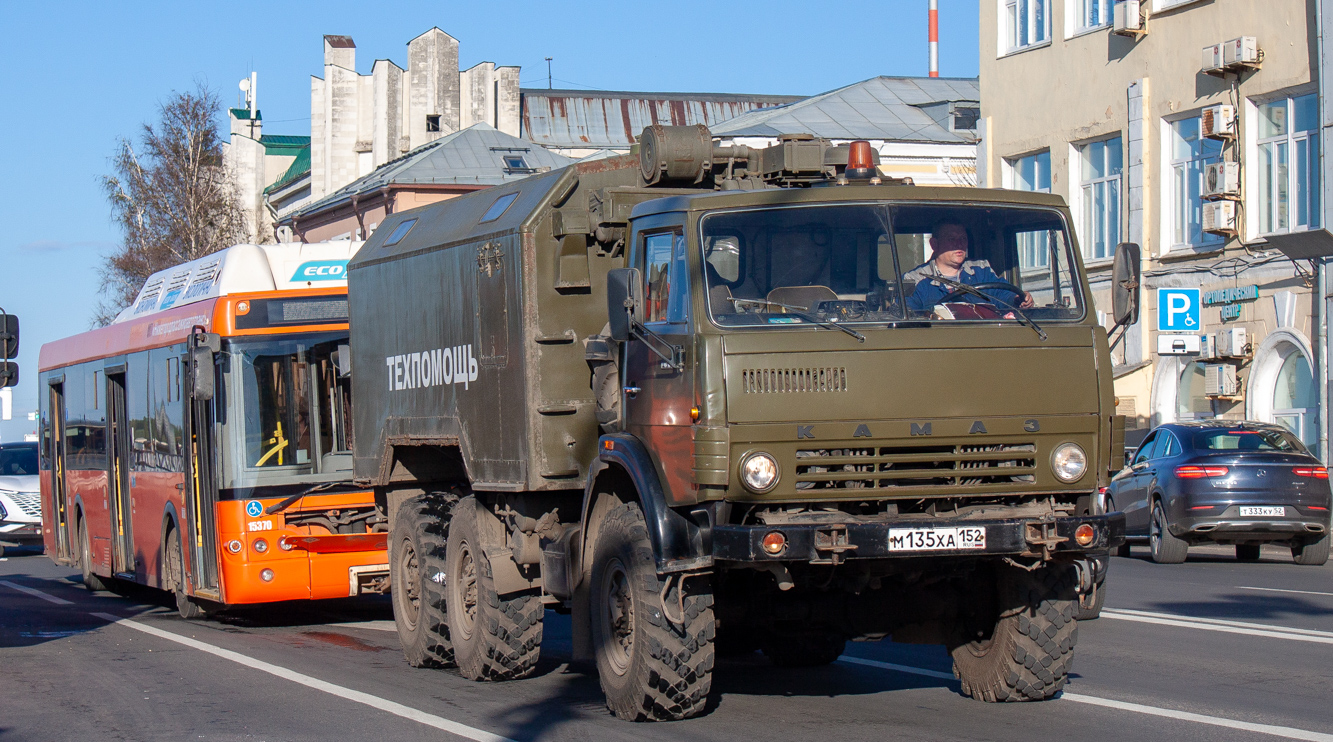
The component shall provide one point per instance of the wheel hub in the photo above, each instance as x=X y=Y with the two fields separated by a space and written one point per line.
x=619 y=618
x=411 y=572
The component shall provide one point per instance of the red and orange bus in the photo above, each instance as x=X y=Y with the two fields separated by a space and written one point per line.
x=201 y=442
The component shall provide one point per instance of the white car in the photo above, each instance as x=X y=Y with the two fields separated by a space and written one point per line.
x=20 y=498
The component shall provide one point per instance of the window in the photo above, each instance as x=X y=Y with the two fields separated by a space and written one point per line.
x=1172 y=447
x=1033 y=173
x=516 y=164
x=965 y=118
x=1288 y=165
x=1101 y=165
x=667 y=296
x=1145 y=449
x=432 y=122
x=1295 y=401
x=499 y=207
x=399 y=232
x=1025 y=23
x=1190 y=155
x=1091 y=14
x=1192 y=402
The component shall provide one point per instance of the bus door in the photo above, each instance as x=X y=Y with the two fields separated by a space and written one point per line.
x=60 y=507
x=118 y=474
x=200 y=465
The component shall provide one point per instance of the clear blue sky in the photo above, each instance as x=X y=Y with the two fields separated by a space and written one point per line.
x=78 y=76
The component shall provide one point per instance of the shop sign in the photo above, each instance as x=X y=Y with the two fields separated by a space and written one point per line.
x=1230 y=296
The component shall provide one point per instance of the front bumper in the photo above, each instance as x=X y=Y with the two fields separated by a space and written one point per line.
x=829 y=543
x=20 y=534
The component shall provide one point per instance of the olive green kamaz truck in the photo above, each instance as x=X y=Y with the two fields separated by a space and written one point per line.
x=717 y=399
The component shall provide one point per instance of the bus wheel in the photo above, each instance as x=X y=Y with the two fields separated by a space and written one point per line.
x=495 y=638
x=416 y=563
x=1026 y=652
x=654 y=656
x=185 y=605
x=91 y=580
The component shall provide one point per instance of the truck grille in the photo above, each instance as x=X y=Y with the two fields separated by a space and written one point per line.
x=887 y=467
x=782 y=380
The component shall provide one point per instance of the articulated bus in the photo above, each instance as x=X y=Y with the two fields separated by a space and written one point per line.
x=201 y=442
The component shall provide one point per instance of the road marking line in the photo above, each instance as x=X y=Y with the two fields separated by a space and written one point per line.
x=1226 y=627
x=1280 y=590
x=375 y=625
x=1280 y=731
x=397 y=709
x=36 y=593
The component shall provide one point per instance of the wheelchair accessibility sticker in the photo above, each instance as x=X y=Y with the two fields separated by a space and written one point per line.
x=1178 y=310
x=254 y=509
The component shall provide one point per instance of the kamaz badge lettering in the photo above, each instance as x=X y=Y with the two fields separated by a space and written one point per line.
x=321 y=270
x=437 y=367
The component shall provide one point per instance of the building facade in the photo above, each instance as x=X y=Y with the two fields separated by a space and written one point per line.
x=1160 y=128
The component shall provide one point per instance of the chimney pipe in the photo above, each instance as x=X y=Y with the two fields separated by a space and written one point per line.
x=934 y=39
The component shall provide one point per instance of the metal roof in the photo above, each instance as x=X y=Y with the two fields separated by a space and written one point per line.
x=892 y=108
x=472 y=156
x=587 y=119
x=299 y=168
x=284 y=145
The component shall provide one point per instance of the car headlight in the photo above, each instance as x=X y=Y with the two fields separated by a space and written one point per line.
x=1069 y=462
x=759 y=472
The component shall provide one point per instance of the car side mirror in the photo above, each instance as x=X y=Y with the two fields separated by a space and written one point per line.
x=1125 y=284
x=621 y=302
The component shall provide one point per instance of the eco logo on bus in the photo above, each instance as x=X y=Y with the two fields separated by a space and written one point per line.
x=321 y=270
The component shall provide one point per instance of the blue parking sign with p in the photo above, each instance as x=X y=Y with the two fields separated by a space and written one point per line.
x=1178 y=310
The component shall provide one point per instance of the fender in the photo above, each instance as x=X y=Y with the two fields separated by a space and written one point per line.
x=678 y=542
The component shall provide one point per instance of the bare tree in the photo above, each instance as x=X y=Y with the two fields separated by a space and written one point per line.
x=171 y=195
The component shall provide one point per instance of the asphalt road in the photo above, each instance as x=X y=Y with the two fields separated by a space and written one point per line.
x=1210 y=650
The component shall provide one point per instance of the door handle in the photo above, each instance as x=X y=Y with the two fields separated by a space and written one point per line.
x=632 y=391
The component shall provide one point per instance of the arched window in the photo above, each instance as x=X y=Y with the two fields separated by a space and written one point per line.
x=1294 y=399
x=1191 y=402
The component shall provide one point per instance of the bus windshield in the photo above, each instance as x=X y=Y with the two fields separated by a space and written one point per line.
x=880 y=262
x=287 y=412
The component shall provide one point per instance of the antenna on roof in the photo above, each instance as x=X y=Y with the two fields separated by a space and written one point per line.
x=548 y=73
x=934 y=39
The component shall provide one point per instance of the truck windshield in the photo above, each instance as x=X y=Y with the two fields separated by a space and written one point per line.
x=876 y=263
x=287 y=411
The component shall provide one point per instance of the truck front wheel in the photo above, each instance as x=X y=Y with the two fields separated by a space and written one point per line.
x=654 y=655
x=416 y=564
x=495 y=638
x=1027 y=654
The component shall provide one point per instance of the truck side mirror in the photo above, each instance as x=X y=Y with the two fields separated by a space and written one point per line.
x=9 y=336
x=1125 y=284
x=201 y=373
x=621 y=302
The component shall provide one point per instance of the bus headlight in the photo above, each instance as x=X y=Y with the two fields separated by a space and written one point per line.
x=759 y=472
x=1069 y=462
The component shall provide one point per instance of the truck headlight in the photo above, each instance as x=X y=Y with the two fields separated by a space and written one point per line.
x=1069 y=462
x=759 y=472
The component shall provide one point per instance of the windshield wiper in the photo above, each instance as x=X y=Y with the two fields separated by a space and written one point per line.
x=988 y=298
x=802 y=313
x=278 y=507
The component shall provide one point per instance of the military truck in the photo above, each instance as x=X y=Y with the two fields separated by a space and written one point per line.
x=711 y=399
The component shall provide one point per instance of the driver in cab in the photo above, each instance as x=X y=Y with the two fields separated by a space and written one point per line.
x=949 y=245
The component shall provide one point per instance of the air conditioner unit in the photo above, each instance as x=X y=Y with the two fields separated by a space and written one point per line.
x=1231 y=343
x=1240 y=53
x=1126 y=19
x=1221 y=180
x=1212 y=58
x=1218 y=122
x=1207 y=347
x=1219 y=217
x=1219 y=380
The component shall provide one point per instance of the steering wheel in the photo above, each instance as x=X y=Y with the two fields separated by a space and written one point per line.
x=987 y=285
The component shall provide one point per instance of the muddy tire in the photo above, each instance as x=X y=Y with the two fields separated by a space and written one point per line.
x=805 y=650
x=1164 y=547
x=416 y=568
x=91 y=580
x=185 y=605
x=495 y=638
x=1313 y=553
x=1029 y=652
x=651 y=668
